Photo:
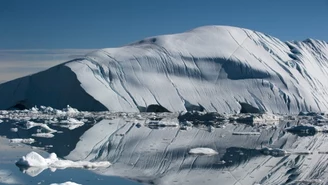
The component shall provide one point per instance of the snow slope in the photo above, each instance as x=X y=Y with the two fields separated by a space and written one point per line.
x=216 y=68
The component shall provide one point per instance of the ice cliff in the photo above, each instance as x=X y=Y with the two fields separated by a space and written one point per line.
x=212 y=68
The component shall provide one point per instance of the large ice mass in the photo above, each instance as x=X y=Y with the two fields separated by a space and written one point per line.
x=212 y=68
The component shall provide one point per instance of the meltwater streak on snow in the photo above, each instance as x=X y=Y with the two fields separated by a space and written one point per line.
x=216 y=68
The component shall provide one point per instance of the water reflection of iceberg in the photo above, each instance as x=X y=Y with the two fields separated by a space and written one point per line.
x=160 y=155
x=32 y=171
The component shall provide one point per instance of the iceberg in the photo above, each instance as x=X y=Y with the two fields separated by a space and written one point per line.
x=213 y=68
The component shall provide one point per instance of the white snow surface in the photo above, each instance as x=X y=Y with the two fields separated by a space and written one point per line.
x=218 y=68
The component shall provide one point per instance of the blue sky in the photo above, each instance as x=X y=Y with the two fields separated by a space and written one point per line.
x=28 y=27
x=110 y=23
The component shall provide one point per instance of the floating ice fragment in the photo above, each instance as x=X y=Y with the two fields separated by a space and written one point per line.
x=44 y=135
x=71 y=111
x=203 y=151
x=19 y=140
x=31 y=124
x=71 y=123
x=14 y=129
x=66 y=183
x=34 y=159
x=34 y=110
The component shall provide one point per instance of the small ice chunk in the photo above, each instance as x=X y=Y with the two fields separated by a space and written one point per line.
x=139 y=117
x=19 y=140
x=188 y=123
x=184 y=127
x=4 y=112
x=31 y=124
x=34 y=159
x=44 y=135
x=203 y=151
x=14 y=129
x=71 y=111
x=1 y=121
x=66 y=183
x=34 y=110
x=71 y=123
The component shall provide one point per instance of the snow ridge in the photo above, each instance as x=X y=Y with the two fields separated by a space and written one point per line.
x=212 y=68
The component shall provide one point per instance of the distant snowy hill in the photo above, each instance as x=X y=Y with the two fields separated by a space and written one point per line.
x=216 y=68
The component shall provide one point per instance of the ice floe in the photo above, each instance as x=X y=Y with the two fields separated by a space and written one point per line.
x=34 y=159
x=66 y=183
x=14 y=129
x=19 y=140
x=71 y=123
x=31 y=124
x=203 y=151
x=43 y=135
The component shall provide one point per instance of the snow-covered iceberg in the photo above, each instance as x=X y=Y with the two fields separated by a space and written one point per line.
x=212 y=68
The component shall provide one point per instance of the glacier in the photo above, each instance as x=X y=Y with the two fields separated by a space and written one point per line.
x=213 y=68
